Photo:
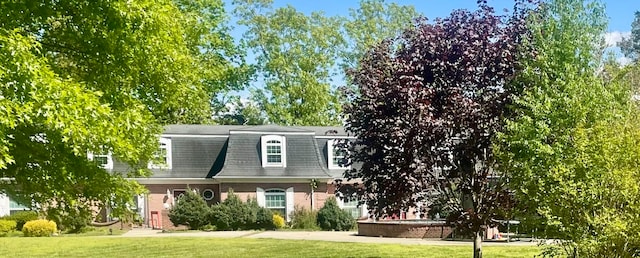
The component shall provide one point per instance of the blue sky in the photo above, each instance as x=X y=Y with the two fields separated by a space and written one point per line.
x=620 y=12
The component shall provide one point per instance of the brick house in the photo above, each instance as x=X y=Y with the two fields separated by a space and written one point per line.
x=282 y=167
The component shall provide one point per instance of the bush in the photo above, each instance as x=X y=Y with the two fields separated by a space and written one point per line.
x=220 y=217
x=278 y=221
x=39 y=228
x=240 y=215
x=7 y=226
x=302 y=218
x=331 y=217
x=190 y=210
x=252 y=219
x=264 y=219
x=22 y=217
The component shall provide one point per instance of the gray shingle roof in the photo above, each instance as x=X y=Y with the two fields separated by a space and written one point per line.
x=230 y=151
x=272 y=129
x=194 y=158
x=244 y=159
x=201 y=129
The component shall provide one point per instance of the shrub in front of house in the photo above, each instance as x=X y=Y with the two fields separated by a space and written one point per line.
x=331 y=217
x=190 y=210
x=72 y=220
x=39 y=228
x=264 y=219
x=21 y=218
x=252 y=219
x=241 y=216
x=220 y=217
x=7 y=226
x=261 y=218
x=278 y=221
x=302 y=218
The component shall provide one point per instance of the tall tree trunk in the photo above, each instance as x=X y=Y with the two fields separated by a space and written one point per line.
x=477 y=245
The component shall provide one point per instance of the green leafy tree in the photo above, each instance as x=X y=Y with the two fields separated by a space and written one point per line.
x=372 y=22
x=296 y=59
x=570 y=147
x=100 y=77
x=238 y=112
x=301 y=58
x=630 y=46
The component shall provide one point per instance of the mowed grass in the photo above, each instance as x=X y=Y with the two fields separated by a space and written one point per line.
x=233 y=247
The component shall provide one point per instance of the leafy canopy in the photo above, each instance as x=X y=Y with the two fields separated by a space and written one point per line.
x=428 y=105
x=570 y=150
x=81 y=77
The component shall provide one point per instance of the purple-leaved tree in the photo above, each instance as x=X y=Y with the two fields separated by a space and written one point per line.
x=428 y=104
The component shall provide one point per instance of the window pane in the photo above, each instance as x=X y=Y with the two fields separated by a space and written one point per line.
x=160 y=157
x=15 y=205
x=273 y=149
x=101 y=160
x=275 y=200
x=351 y=206
x=274 y=159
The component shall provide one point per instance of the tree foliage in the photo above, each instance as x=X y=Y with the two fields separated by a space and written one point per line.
x=372 y=22
x=630 y=46
x=429 y=103
x=80 y=77
x=295 y=58
x=301 y=58
x=570 y=150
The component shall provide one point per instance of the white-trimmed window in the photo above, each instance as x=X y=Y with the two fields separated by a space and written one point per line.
x=335 y=155
x=274 y=151
x=162 y=157
x=104 y=160
x=16 y=207
x=276 y=201
x=350 y=205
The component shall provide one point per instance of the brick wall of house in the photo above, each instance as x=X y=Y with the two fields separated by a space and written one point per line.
x=157 y=198
x=302 y=192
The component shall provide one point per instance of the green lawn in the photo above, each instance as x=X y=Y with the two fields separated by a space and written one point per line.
x=235 y=247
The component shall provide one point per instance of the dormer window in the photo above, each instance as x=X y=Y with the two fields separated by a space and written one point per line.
x=335 y=155
x=104 y=160
x=273 y=151
x=162 y=157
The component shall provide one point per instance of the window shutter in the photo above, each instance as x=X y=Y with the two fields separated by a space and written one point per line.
x=140 y=205
x=290 y=202
x=4 y=205
x=364 y=211
x=262 y=202
x=340 y=202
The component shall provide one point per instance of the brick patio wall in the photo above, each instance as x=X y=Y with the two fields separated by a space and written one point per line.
x=403 y=229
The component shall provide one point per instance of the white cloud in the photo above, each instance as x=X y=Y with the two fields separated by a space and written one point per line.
x=623 y=60
x=612 y=38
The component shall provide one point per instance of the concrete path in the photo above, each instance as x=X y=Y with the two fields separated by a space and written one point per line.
x=341 y=236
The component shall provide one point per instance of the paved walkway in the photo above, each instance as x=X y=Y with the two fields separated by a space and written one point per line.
x=311 y=235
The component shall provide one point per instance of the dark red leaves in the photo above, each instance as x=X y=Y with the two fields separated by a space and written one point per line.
x=428 y=104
